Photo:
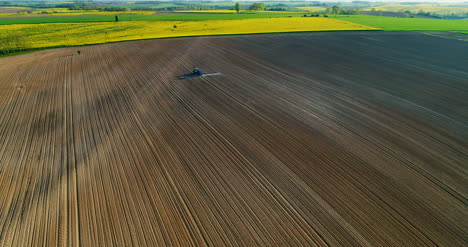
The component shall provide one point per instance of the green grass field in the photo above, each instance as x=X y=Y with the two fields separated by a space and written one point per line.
x=406 y=24
x=161 y=17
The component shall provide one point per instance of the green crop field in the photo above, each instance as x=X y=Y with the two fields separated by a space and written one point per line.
x=406 y=24
x=162 y=17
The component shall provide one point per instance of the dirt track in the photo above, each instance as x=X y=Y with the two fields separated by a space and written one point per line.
x=336 y=139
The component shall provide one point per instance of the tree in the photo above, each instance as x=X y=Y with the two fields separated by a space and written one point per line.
x=328 y=11
x=257 y=6
x=237 y=7
x=336 y=10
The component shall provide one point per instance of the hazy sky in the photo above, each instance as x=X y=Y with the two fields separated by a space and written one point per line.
x=436 y=1
x=424 y=1
x=394 y=1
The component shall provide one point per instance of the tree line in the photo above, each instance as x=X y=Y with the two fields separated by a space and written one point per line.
x=93 y=7
x=337 y=10
x=333 y=10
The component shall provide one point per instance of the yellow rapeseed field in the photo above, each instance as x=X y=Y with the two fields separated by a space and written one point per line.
x=312 y=9
x=105 y=13
x=67 y=12
x=233 y=11
x=13 y=7
x=13 y=14
x=205 y=11
x=68 y=34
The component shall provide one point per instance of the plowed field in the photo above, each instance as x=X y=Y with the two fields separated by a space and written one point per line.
x=317 y=139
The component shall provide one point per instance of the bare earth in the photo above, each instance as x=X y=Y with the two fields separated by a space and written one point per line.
x=15 y=10
x=323 y=139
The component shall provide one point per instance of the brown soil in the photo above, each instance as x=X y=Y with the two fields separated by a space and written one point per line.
x=339 y=139
x=8 y=10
